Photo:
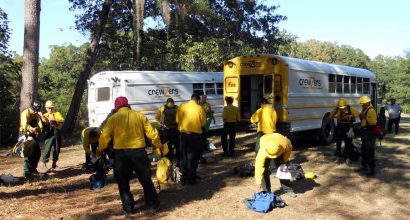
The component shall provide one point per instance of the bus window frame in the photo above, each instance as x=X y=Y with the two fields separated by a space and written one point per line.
x=97 y=94
x=272 y=86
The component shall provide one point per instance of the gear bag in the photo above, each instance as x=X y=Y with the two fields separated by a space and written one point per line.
x=264 y=202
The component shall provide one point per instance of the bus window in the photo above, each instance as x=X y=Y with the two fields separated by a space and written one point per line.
x=331 y=83
x=353 y=84
x=359 y=85
x=278 y=83
x=267 y=81
x=366 y=85
x=219 y=88
x=210 y=88
x=103 y=94
x=339 y=84
x=198 y=88
x=346 y=85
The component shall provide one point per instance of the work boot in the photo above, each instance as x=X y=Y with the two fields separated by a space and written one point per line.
x=338 y=160
x=370 y=173
x=54 y=165
x=44 y=168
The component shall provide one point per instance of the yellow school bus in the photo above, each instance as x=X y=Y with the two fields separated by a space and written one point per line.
x=302 y=92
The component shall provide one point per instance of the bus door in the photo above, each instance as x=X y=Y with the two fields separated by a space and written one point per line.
x=373 y=94
x=252 y=89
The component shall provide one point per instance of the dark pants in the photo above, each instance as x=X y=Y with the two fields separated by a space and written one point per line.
x=396 y=122
x=191 y=148
x=257 y=144
x=368 y=148
x=229 y=129
x=126 y=162
x=172 y=137
x=340 y=135
x=53 y=141
x=31 y=162
x=271 y=166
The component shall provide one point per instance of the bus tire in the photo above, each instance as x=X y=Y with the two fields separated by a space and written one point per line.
x=327 y=132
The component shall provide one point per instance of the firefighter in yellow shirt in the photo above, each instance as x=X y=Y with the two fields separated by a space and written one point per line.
x=89 y=139
x=368 y=119
x=166 y=116
x=127 y=129
x=265 y=117
x=275 y=149
x=345 y=116
x=191 y=118
x=31 y=125
x=52 y=135
x=230 y=117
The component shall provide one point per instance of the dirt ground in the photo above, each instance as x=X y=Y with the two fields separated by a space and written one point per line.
x=338 y=193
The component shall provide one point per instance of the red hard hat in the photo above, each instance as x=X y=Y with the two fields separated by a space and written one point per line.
x=120 y=102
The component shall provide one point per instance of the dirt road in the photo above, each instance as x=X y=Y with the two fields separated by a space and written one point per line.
x=338 y=193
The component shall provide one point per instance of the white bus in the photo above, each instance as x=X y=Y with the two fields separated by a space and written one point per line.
x=148 y=90
x=302 y=92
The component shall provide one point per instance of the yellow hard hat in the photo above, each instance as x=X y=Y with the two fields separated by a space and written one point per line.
x=310 y=175
x=49 y=104
x=342 y=103
x=364 y=99
x=274 y=150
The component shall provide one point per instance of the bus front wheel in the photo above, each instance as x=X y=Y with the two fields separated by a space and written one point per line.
x=327 y=132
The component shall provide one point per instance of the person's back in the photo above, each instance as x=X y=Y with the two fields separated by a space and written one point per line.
x=127 y=128
x=266 y=118
x=191 y=117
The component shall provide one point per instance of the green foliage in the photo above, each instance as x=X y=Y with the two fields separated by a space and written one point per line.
x=58 y=75
x=326 y=52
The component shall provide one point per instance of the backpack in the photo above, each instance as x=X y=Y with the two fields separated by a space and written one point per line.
x=169 y=117
x=378 y=130
x=264 y=202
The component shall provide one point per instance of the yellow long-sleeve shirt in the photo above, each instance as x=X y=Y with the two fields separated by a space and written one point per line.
x=86 y=140
x=368 y=117
x=265 y=141
x=266 y=119
x=29 y=121
x=191 y=117
x=231 y=113
x=127 y=128
x=55 y=116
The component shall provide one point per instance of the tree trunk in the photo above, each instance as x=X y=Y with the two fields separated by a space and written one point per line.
x=29 y=78
x=138 y=24
x=71 y=117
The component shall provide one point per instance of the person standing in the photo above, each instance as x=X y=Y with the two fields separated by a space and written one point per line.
x=275 y=150
x=368 y=118
x=394 y=111
x=166 y=116
x=191 y=117
x=89 y=139
x=53 y=135
x=31 y=124
x=345 y=116
x=230 y=117
x=265 y=117
x=127 y=129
